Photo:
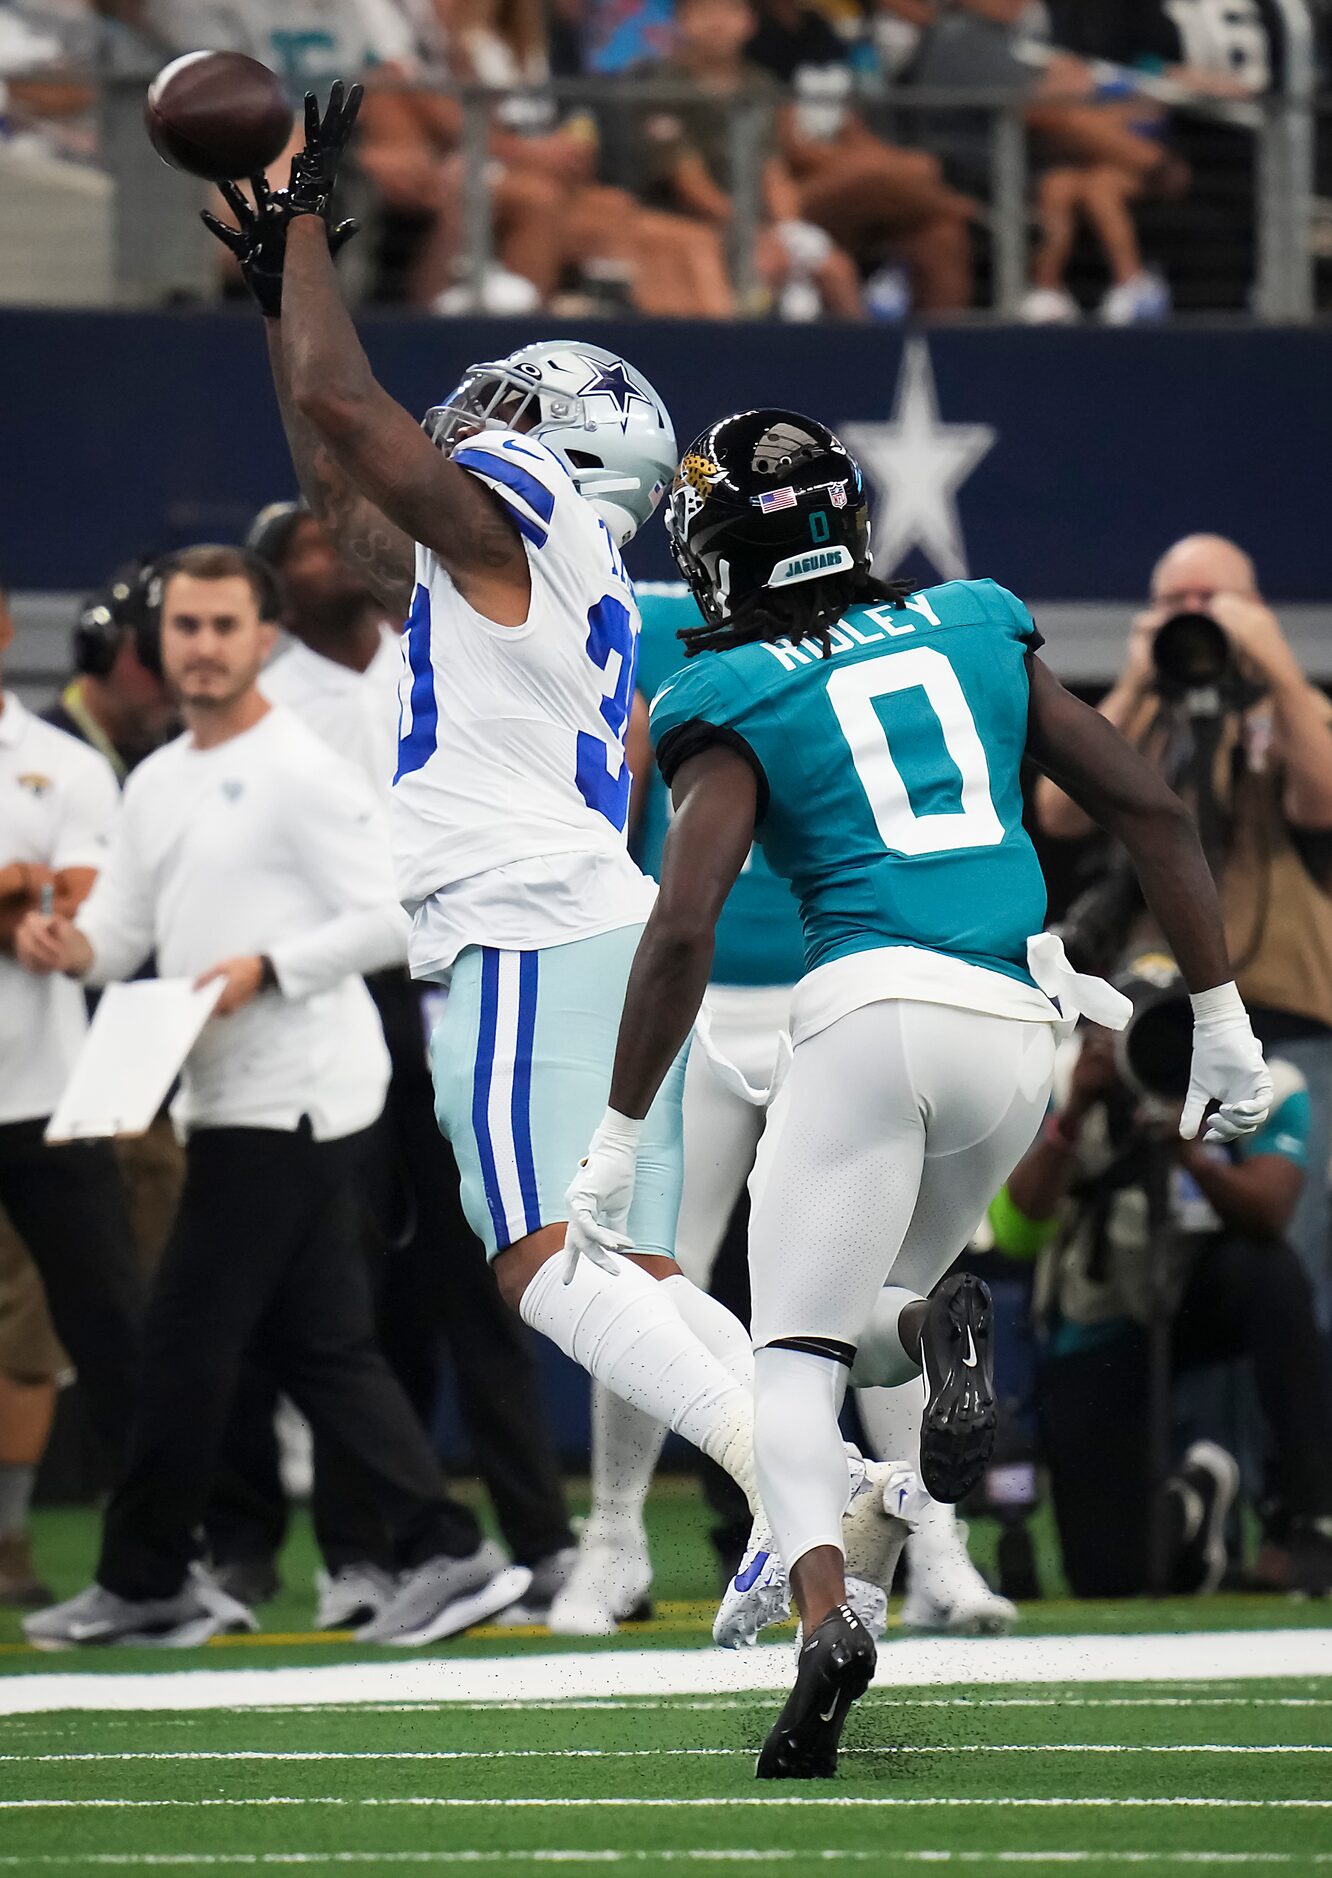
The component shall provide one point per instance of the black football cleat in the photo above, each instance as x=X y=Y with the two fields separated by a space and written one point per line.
x=836 y=1668
x=957 y=1355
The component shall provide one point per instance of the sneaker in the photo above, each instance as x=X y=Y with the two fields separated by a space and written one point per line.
x=199 y=1610
x=758 y=1595
x=549 y=1577
x=446 y=1595
x=352 y=1596
x=836 y=1668
x=1142 y=301
x=946 y=1595
x=20 y=1587
x=1199 y=1498
x=250 y=1581
x=608 y=1584
x=1049 y=306
x=957 y=1434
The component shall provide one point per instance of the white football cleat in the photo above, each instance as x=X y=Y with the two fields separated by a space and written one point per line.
x=946 y=1594
x=758 y=1595
x=607 y=1585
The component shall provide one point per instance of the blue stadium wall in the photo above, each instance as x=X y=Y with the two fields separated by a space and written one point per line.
x=1075 y=455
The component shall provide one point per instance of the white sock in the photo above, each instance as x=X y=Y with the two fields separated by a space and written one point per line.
x=892 y=1419
x=626 y=1333
x=716 y=1328
x=881 y=1362
x=798 y=1449
x=625 y=1445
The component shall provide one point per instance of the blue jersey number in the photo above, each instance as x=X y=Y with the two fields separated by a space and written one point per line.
x=610 y=629
x=417 y=746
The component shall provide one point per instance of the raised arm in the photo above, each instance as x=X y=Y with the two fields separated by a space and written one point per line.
x=364 y=536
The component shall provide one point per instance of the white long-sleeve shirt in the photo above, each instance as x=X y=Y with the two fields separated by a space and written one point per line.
x=269 y=843
x=355 y=713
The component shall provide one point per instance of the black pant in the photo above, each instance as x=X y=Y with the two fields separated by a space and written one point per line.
x=68 y=1205
x=264 y=1250
x=438 y=1300
x=1246 y=1298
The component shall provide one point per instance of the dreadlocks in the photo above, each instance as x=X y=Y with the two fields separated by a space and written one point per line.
x=808 y=611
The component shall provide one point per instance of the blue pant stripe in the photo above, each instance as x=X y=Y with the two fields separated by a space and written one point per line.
x=485 y=1058
x=528 y=964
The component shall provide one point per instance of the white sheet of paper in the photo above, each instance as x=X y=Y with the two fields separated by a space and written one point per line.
x=138 y=1039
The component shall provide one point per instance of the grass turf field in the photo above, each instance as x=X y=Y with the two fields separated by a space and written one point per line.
x=1131 y=1747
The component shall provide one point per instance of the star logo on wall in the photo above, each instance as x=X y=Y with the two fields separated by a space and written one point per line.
x=612 y=381
x=917 y=464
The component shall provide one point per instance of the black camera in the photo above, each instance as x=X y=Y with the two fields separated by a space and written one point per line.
x=1192 y=654
x=1154 y=1051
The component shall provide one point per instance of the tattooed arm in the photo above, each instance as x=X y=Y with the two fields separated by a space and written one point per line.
x=381 y=449
x=366 y=539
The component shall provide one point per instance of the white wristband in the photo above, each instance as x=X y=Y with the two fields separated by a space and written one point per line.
x=1220 y=1001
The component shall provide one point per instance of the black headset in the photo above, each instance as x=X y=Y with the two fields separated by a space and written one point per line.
x=131 y=603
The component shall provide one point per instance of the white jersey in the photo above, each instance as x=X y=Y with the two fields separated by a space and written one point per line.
x=511 y=797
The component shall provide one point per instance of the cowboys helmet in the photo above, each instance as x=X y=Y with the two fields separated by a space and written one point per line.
x=765 y=499
x=601 y=418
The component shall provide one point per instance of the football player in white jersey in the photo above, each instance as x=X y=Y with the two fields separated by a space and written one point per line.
x=497 y=528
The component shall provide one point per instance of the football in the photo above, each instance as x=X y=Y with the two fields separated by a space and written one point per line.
x=219 y=115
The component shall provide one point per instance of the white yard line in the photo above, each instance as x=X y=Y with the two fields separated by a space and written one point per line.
x=1230 y=1656
x=722 y=1855
x=633 y=1802
x=284 y=1755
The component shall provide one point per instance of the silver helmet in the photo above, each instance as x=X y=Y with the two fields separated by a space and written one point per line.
x=601 y=418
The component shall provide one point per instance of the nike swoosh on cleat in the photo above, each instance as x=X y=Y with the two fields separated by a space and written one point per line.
x=749 y=1577
x=969 y=1361
x=831 y=1711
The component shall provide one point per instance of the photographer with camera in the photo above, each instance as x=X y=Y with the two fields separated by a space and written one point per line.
x=1212 y=693
x=1140 y=1234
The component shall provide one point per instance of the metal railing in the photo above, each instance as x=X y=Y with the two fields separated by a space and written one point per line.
x=159 y=252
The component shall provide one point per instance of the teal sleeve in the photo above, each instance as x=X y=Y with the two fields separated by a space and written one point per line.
x=692 y=693
x=1013 y=615
x=1285 y=1132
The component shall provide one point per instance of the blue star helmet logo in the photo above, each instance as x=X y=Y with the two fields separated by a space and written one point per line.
x=613 y=382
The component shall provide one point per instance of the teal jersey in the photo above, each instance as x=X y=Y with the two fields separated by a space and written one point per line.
x=890 y=791
x=759 y=941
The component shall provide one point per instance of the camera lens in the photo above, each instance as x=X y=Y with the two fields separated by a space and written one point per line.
x=1190 y=651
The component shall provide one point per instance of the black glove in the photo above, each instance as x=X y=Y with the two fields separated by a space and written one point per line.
x=314 y=170
x=259 y=241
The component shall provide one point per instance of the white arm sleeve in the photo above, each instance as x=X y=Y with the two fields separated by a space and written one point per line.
x=117 y=917
x=90 y=800
x=343 y=851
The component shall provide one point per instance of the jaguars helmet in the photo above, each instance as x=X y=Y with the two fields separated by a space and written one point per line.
x=598 y=414
x=765 y=499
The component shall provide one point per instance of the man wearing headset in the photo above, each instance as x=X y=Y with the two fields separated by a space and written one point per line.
x=116 y=700
x=57 y=805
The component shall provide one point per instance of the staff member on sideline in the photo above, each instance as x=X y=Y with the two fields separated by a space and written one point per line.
x=246 y=837
x=57 y=806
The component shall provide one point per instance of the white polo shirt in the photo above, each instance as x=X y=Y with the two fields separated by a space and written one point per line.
x=268 y=843
x=355 y=713
x=58 y=800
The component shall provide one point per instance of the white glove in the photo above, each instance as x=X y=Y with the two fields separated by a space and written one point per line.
x=601 y=1195
x=807 y=247
x=1227 y=1067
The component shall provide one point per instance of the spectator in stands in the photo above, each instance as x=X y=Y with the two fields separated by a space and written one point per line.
x=57 y=805
x=873 y=199
x=1273 y=846
x=1233 y=1287
x=690 y=162
x=247 y=837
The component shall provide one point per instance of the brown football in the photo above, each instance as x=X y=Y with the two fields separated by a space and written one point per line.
x=219 y=115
